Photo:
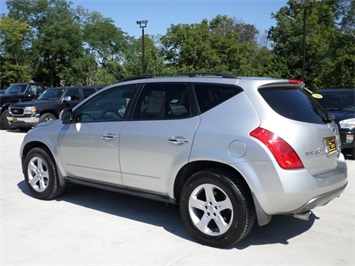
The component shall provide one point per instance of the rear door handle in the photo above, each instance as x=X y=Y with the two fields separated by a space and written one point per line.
x=178 y=140
x=109 y=136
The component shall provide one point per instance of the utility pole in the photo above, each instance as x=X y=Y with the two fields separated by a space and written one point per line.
x=303 y=4
x=142 y=24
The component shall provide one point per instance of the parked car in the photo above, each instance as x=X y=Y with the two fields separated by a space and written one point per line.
x=17 y=92
x=340 y=103
x=47 y=106
x=227 y=150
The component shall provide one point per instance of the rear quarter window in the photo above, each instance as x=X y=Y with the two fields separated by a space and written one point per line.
x=294 y=103
x=211 y=95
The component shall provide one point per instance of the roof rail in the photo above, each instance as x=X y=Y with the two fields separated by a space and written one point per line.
x=179 y=74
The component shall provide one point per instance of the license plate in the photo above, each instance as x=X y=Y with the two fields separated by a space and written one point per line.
x=330 y=145
x=14 y=119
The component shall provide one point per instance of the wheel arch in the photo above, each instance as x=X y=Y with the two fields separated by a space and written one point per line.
x=36 y=144
x=4 y=124
x=4 y=106
x=194 y=167
x=53 y=112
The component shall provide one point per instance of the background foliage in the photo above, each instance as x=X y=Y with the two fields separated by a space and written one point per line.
x=49 y=41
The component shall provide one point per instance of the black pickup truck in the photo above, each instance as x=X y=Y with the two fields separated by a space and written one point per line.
x=47 y=106
x=18 y=92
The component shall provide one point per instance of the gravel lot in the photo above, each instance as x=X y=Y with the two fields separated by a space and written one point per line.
x=87 y=226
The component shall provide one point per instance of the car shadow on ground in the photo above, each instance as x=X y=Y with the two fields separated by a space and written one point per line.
x=18 y=130
x=278 y=231
x=349 y=156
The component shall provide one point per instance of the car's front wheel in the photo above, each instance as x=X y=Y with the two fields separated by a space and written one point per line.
x=4 y=123
x=41 y=175
x=47 y=117
x=217 y=209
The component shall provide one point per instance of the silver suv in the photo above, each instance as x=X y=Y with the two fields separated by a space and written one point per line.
x=227 y=150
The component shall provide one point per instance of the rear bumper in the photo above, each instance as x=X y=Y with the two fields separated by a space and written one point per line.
x=320 y=200
x=278 y=191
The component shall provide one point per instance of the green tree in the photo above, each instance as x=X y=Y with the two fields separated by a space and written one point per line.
x=153 y=60
x=104 y=46
x=70 y=46
x=222 y=44
x=56 y=39
x=329 y=59
x=14 y=51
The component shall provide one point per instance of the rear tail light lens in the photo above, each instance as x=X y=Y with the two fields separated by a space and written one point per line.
x=284 y=154
x=295 y=81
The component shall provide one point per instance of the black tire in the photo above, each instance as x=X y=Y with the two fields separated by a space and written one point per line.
x=23 y=129
x=4 y=124
x=41 y=175
x=217 y=210
x=47 y=117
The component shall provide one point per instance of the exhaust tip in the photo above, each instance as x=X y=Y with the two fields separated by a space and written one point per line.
x=305 y=216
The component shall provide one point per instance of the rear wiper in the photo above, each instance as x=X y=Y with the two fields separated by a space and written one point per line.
x=328 y=119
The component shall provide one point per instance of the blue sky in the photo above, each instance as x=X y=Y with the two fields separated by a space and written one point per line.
x=161 y=14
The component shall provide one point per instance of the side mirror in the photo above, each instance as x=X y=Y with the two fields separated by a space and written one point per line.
x=67 y=99
x=66 y=115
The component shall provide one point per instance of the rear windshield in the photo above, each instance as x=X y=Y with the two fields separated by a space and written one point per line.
x=294 y=103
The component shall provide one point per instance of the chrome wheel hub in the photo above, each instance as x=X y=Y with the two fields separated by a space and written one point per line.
x=38 y=174
x=210 y=209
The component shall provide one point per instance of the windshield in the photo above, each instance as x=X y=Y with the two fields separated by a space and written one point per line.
x=51 y=95
x=16 y=89
x=337 y=100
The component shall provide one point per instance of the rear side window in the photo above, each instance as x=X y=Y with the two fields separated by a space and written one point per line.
x=293 y=103
x=163 y=101
x=88 y=91
x=211 y=95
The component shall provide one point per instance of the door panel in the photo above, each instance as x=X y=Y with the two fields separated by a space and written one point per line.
x=87 y=153
x=89 y=146
x=157 y=143
x=151 y=153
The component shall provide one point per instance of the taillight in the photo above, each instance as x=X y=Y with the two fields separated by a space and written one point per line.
x=285 y=156
x=295 y=81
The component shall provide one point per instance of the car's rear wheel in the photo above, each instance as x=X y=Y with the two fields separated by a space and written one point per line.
x=217 y=210
x=41 y=175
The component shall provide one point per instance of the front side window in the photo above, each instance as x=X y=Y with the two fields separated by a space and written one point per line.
x=74 y=94
x=109 y=105
x=163 y=101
